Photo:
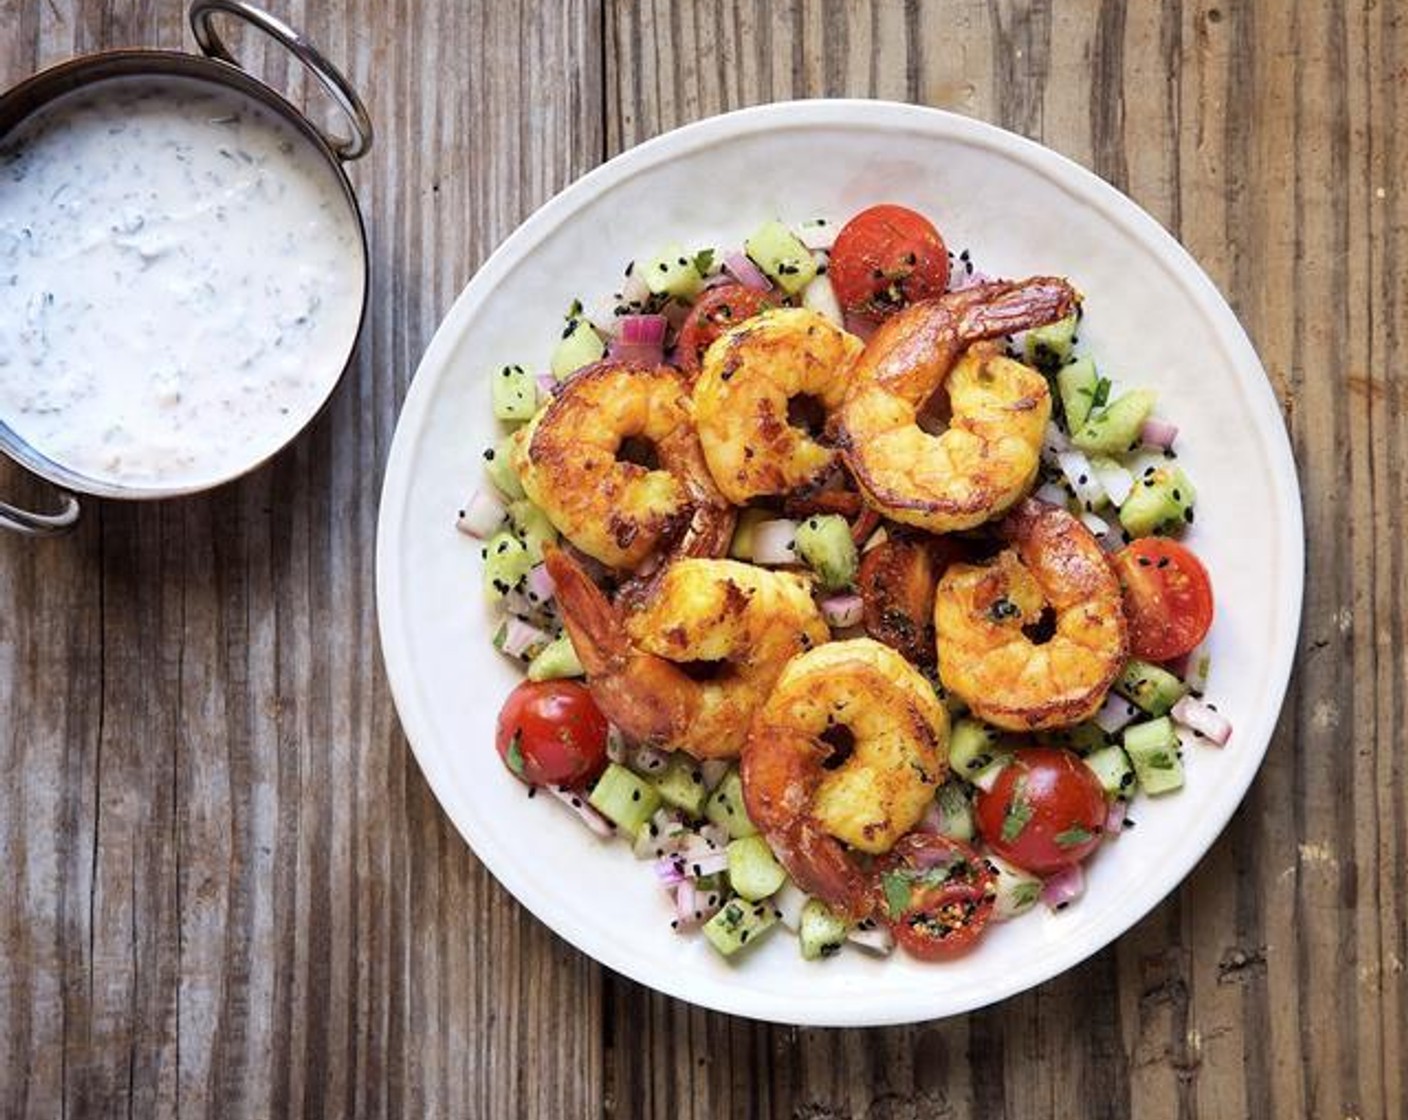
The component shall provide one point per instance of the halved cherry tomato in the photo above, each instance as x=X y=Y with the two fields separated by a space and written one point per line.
x=1167 y=598
x=716 y=311
x=552 y=732
x=937 y=895
x=886 y=258
x=1045 y=811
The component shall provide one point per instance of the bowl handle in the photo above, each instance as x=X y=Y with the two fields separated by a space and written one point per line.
x=328 y=75
x=40 y=524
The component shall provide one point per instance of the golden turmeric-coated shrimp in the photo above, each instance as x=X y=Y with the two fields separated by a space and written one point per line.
x=986 y=459
x=847 y=750
x=749 y=378
x=616 y=511
x=734 y=624
x=1034 y=638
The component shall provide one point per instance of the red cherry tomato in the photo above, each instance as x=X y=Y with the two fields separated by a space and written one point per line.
x=1046 y=810
x=552 y=732
x=1167 y=598
x=886 y=258
x=716 y=311
x=937 y=895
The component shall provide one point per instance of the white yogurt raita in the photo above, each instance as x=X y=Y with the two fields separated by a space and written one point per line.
x=181 y=282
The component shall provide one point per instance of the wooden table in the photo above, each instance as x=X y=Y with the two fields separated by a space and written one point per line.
x=228 y=890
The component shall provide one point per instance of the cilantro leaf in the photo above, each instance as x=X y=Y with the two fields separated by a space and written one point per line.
x=1073 y=837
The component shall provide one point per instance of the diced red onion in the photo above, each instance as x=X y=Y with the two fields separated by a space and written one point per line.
x=1197 y=716
x=547 y=384
x=1114 y=479
x=519 y=604
x=960 y=278
x=1114 y=816
x=1053 y=442
x=1158 y=433
x=746 y=272
x=789 y=901
x=669 y=871
x=1064 y=887
x=876 y=539
x=986 y=778
x=1053 y=493
x=1115 y=713
x=575 y=801
x=932 y=820
x=775 y=542
x=1079 y=473
x=693 y=906
x=718 y=280
x=642 y=330
x=713 y=834
x=713 y=770
x=649 y=760
x=1098 y=526
x=539 y=584
x=841 y=611
x=522 y=637
x=635 y=290
x=661 y=836
x=874 y=937
x=482 y=515
x=616 y=749
x=675 y=314
x=636 y=353
x=820 y=296
x=817 y=236
x=698 y=865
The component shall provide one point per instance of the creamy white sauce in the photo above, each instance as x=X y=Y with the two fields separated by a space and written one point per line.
x=180 y=282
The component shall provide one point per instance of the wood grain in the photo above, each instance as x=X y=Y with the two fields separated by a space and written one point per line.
x=230 y=891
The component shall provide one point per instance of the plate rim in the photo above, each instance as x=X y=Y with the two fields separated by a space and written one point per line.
x=1057 y=169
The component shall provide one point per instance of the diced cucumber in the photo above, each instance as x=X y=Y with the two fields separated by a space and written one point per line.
x=956 y=810
x=725 y=807
x=821 y=932
x=1082 y=738
x=514 y=392
x=778 y=252
x=498 y=465
x=1115 y=429
x=506 y=562
x=1163 y=496
x=682 y=785
x=1153 y=689
x=1017 y=890
x=972 y=747
x=752 y=869
x=532 y=527
x=741 y=548
x=738 y=924
x=1112 y=767
x=672 y=273
x=1077 y=383
x=579 y=346
x=824 y=543
x=623 y=798
x=1049 y=347
x=557 y=659
x=1153 y=749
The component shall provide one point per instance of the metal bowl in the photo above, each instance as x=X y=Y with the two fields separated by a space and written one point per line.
x=217 y=70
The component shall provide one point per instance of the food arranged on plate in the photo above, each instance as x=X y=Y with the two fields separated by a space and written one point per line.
x=848 y=588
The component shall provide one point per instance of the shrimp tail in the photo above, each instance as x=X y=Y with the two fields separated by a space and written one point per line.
x=1005 y=307
x=647 y=697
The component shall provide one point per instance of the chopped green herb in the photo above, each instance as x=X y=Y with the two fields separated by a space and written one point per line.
x=897 y=892
x=1073 y=837
x=703 y=261
x=514 y=755
x=1019 y=812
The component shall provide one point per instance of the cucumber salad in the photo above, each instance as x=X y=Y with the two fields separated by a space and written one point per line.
x=848 y=586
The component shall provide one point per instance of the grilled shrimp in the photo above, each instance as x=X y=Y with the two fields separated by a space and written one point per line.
x=751 y=377
x=1034 y=638
x=847 y=750
x=987 y=457
x=732 y=625
x=616 y=511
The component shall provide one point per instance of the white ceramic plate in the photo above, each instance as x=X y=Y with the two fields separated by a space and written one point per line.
x=1152 y=318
